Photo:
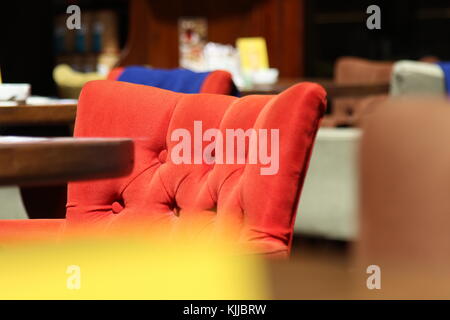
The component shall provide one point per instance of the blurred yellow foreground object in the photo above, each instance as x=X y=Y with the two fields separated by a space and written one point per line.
x=129 y=269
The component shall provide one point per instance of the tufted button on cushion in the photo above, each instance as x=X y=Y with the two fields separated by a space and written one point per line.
x=260 y=208
x=116 y=207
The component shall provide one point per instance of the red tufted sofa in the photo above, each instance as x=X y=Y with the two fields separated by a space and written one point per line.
x=261 y=208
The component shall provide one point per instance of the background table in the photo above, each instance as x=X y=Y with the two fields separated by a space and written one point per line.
x=64 y=114
x=38 y=115
x=334 y=90
x=47 y=161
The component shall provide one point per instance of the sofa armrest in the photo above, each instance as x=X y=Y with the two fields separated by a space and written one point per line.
x=30 y=230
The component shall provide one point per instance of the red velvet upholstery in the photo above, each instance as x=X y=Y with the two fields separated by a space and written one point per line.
x=219 y=81
x=161 y=193
x=115 y=73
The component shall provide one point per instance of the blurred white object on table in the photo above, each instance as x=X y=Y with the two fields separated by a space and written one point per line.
x=14 y=91
x=223 y=57
x=38 y=100
x=264 y=76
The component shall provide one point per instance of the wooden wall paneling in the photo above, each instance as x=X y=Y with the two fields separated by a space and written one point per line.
x=292 y=31
x=153 y=30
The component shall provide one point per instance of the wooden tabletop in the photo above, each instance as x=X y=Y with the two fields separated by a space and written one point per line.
x=25 y=161
x=38 y=115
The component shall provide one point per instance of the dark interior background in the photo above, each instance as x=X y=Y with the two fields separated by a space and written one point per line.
x=410 y=29
x=26 y=32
